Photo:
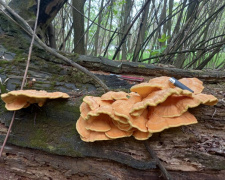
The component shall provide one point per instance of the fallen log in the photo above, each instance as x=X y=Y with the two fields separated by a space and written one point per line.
x=195 y=150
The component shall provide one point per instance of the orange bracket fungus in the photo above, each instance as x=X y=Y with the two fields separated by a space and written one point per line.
x=150 y=107
x=19 y=99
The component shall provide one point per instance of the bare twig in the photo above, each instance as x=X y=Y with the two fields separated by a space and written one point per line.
x=106 y=49
x=31 y=46
x=7 y=134
x=159 y=164
x=170 y=53
x=53 y=52
x=67 y=37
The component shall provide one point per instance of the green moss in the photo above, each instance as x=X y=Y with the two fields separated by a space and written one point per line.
x=3 y=62
x=39 y=139
x=72 y=56
x=72 y=108
x=141 y=65
x=56 y=68
x=79 y=77
x=62 y=78
x=19 y=59
x=51 y=148
x=52 y=85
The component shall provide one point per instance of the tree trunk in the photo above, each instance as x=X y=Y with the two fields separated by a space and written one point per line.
x=87 y=35
x=141 y=33
x=163 y=17
x=98 y=31
x=44 y=143
x=51 y=35
x=78 y=26
x=169 y=23
x=126 y=24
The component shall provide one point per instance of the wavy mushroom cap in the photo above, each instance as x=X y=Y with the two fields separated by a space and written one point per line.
x=122 y=126
x=99 y=124
x=176 y=105
x=163 y=81
x=16 y=100
x=122 y=108
x=139 y=122
x=206 y=99
x=193 y=83
x=141 y=135
x=144 y=89
x=99 y=111
x=84 y=110
x=150 y=107
x=100 y=119
x=115 y=132
x=111 y=95
x=93 y=102
x=36 y=94
x=88 y=135
x=157 y=123
x=17 y=103
x=155 y=98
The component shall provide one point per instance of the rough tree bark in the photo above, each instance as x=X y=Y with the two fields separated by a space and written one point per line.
x=96 y=44
x=78 y=25
x=141 y=33
x=126 y=21
x=45 y=143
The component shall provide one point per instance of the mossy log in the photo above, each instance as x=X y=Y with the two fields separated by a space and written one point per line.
x=45 y=140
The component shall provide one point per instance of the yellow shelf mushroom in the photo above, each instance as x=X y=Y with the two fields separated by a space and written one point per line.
x=150 y=107
x=19 y=99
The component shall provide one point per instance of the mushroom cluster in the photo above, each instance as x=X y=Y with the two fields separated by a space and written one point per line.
x=149 y=108
x=19 y=99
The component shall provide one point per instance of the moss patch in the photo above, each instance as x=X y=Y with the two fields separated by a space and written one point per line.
x=53 y=130
x=3 y=62
x=39 y=139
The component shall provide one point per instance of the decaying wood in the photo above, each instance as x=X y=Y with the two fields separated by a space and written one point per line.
x=121 y=67
x=158 y=163
x=188 y=152
x=22 y=163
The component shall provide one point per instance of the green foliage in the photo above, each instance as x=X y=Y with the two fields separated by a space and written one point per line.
x=158 y=51
x=115 y=12
x=163 y=38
